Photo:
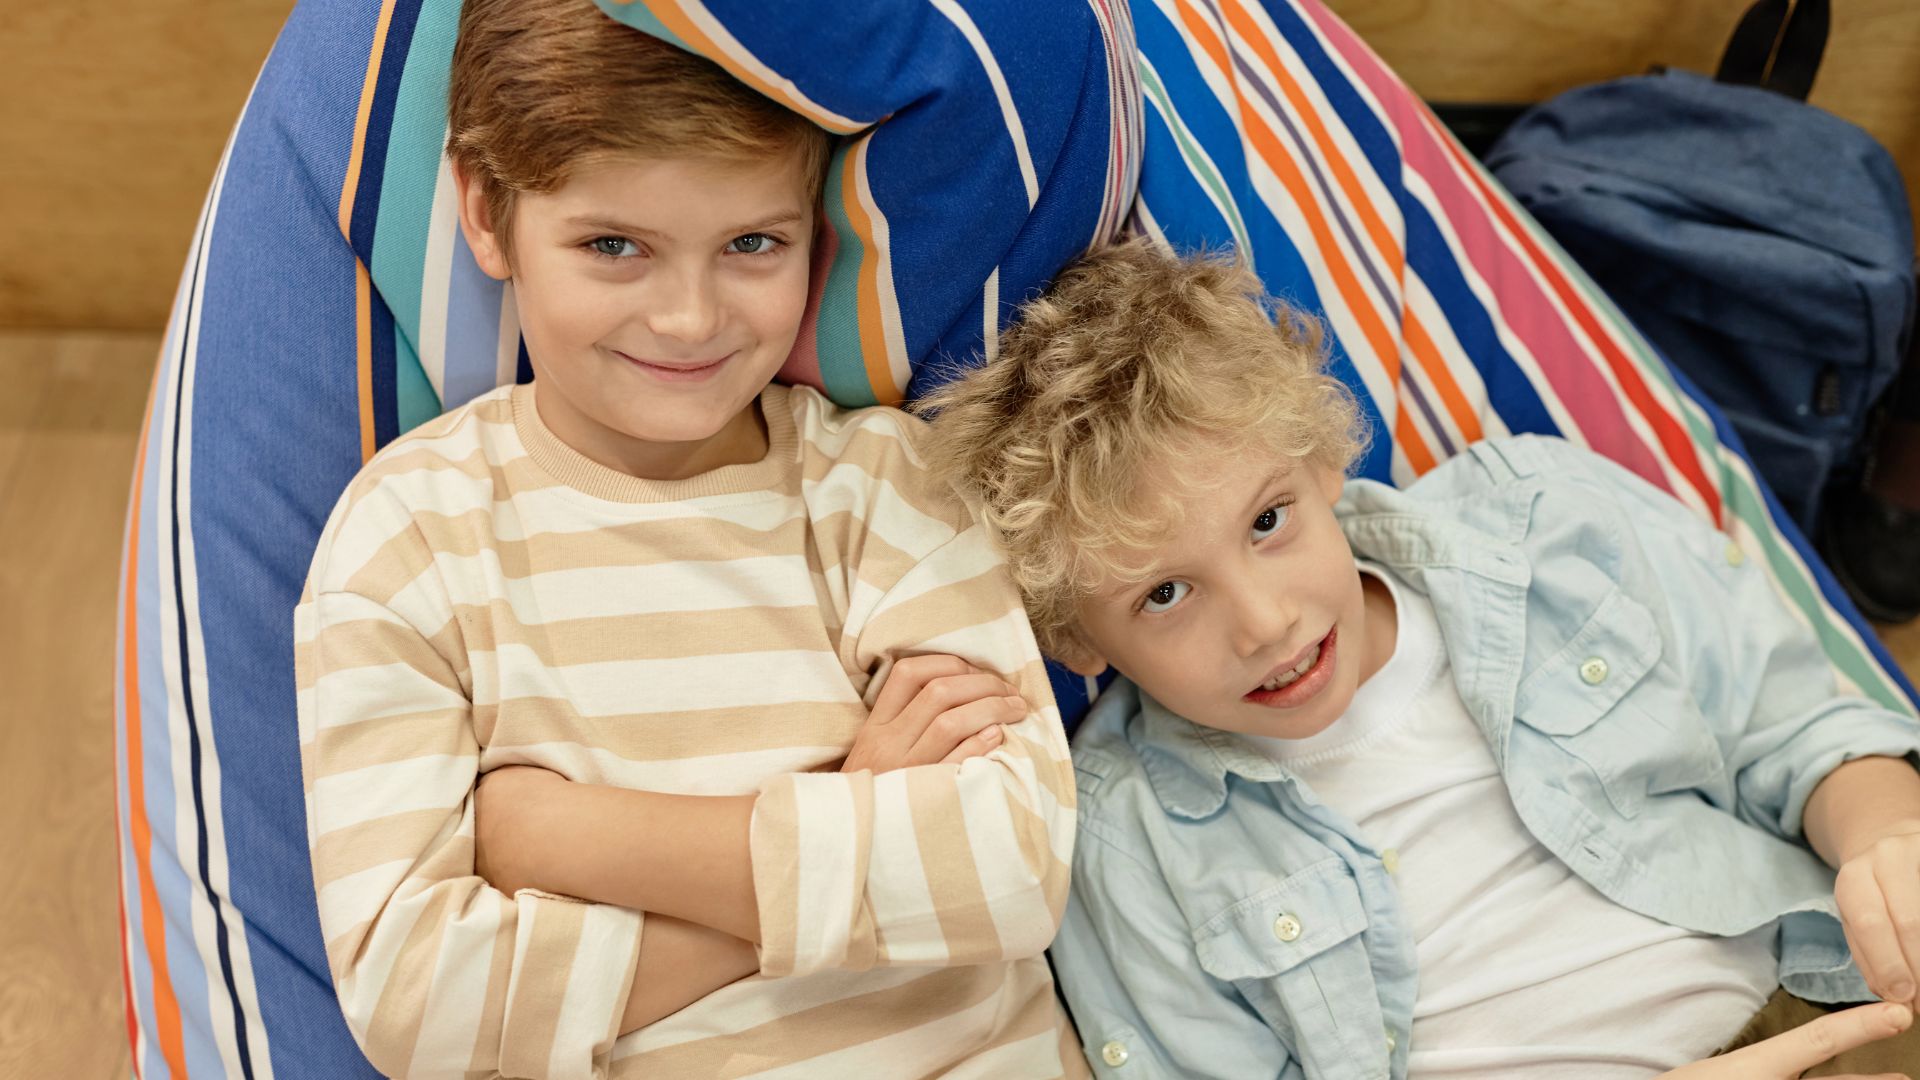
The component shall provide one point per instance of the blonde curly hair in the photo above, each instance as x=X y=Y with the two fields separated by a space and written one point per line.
x=1133 y=360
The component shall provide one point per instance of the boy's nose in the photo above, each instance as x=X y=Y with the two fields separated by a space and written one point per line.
x=1261 y=620
x=685 y=308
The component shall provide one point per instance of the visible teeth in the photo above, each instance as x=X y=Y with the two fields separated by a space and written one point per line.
x=1287 y=677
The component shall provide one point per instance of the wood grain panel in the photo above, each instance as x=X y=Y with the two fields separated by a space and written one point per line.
x=1523 y=50
x=68 y=422
x=115 y=116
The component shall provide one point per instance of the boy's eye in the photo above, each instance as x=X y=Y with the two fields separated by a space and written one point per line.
x=1270 y=521
x=1164 y=595
x=752 y=244
x=614 y=247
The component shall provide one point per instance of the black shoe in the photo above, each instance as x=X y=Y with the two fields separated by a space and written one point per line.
x=1873 y=548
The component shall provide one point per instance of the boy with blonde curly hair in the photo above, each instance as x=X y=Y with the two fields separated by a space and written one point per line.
x=658 y=719
x=1521 y=771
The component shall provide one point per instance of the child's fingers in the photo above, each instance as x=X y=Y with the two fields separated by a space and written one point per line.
x=1900 y=888
x=955 y=726
x=944 y=695
x=1863 y=910
x=985 y=742
x=1821 y=1040
x=910 y=675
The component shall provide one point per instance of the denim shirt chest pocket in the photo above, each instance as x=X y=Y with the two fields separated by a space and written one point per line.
x=1295 y=952
x=1606 y=699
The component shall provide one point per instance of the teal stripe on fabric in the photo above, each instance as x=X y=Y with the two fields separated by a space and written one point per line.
x=406 y=200
x=1197 y=160
x=843 y=369
x=418 y=403
x=1738 y=492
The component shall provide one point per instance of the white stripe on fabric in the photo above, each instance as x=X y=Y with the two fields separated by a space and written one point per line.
x=902 y=902
x=737 y=773
x=457 y=996
x=1144 y=218
x=990 y=316
x=436 y=272
x=371 y=792
x=1015 y=900
x=210 y=910
x=894 y=338
x=599 y=959
x=755 y=1001
x=1009 y=113
x=826 y=856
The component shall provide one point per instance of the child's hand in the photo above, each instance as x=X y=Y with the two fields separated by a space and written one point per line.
x=502 y=802
x=934 y=709
x=1878 y=891
x=1786 y=1056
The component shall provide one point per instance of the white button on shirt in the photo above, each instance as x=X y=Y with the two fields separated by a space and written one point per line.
x=1594 y=671
x=1114 y=1053
x=1286 y=928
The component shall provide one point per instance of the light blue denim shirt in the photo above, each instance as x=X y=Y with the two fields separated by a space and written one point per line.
x=1658 y=716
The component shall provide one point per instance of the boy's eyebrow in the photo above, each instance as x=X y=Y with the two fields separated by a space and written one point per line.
x=1280 y=476
x=614 y=225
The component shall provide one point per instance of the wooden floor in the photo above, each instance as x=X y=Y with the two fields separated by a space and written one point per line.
x=68 y=420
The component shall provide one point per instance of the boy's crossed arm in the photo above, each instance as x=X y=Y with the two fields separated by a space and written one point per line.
x=690 y=856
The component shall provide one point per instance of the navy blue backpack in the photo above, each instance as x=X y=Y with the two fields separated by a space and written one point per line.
x=1763 y=245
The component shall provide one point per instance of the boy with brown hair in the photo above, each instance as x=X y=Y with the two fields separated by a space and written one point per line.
x=1519 y=772
x=658 y=719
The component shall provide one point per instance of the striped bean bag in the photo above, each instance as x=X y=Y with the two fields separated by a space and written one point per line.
x=328 y=304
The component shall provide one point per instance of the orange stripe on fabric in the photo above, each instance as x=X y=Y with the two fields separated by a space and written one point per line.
x=363 y=286
x=1407 y=437
x=873 y=338
x=166 y=1008
x=1441 y=376
x=1267 y=143
x=1667 y=428
x=1375 y=225
x=682 y=25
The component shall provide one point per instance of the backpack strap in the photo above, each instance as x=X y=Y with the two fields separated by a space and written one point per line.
x=1778 y=45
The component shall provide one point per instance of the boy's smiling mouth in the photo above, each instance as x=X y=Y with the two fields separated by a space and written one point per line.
x=1299 y=678
x=691 y=371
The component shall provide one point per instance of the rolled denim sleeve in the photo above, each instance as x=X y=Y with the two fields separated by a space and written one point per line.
x=1759 y=675
x=1125 y=961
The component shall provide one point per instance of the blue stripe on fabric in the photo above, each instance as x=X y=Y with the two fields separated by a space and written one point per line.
x=473 y=328
x=277 y=367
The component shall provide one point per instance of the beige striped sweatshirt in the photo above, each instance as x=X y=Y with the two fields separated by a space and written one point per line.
x=483 y=595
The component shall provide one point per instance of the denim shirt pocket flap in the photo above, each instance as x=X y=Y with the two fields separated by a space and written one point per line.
x=1280 y=927
x=1606 y=658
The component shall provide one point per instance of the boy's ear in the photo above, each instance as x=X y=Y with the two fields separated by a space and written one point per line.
x=476 y=223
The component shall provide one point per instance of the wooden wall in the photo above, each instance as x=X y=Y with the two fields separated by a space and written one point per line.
x=1526 y=50
x=114 y=118
x=117 y=112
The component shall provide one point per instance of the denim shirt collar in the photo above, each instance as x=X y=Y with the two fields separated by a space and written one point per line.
x=1470 y=549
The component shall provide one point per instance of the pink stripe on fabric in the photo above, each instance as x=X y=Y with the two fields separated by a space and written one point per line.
x=1530 y=314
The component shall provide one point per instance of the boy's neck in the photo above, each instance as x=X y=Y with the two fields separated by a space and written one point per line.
x=1382 y=629
x=742 y=441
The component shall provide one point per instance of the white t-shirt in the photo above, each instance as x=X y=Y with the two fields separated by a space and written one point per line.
x=1525 y=970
